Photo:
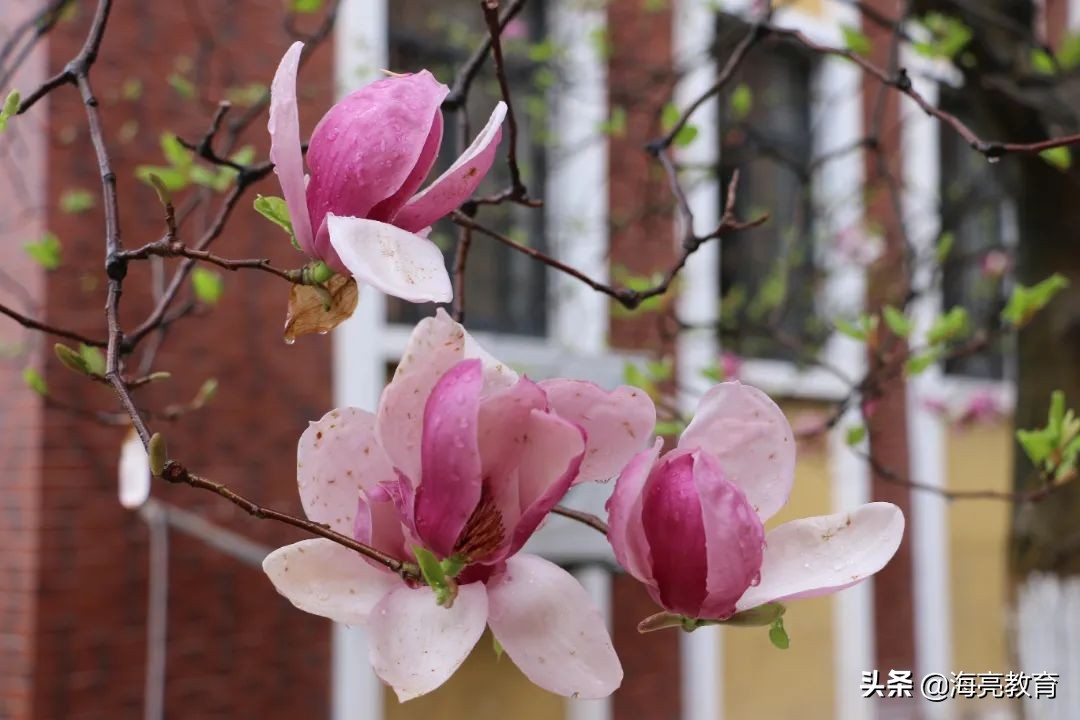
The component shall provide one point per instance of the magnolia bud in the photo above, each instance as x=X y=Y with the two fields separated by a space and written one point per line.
x=704 y=537
x=158 y=452
x=71 y=359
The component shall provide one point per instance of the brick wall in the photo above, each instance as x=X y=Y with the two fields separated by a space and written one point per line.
x=642 y=222
x=640 y=79
x=21 y=283
x=236 y=649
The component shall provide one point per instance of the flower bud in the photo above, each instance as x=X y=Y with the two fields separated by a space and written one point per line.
x=705 y=539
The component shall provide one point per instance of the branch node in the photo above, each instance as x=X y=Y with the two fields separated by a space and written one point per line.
x=116 y=266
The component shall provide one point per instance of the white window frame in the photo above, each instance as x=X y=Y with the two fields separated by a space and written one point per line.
x=699 y=304
x=575 y=196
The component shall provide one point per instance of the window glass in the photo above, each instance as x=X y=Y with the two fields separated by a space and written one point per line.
x=505 y=290
x=975 y=210
x=767 y=274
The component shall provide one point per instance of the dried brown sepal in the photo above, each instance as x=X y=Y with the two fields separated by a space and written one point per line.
x=308 y=312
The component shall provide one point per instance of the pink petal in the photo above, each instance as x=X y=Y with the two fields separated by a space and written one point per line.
x=548 y=625
x=552 y=456
x=674 y=528
x=285 y=151
x=734 y=538
x=389 y=207
x=450 y=479
x=504 y=425
x=335 y=458
x=326 y=579
x=389 y=259
x=748 y=434
x=417 y=645
x=457 y=184
x=619 y=423
x=378 y=524
x=625 y=532
x=821 y=555
x=366 y=147
x=436 y=345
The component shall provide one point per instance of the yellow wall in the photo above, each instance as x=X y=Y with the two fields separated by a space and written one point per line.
x=979 y=458
x=759 y=680
x=482 y=689
x=810 y=7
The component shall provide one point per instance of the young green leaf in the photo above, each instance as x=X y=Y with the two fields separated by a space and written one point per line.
x=208 y=285
x=669 y=428
x=76 y=201
x=950 y=326
x=11 y=103
x=183 y=87
x=46 y=251
x=1042 y=62
x=70 y=359
x=174 y=151
x=741 y=101
x=855 y=435
x=855 y=40
x=846 y=327
x=93 y=358
x=897 y=321
x=35 y=382
x=917 y=364
x=10 y=107
x=1026 y=301
x=171 y=178
x=944 y=246
x=615 y=125
x=1059 y=157
x=276 y=211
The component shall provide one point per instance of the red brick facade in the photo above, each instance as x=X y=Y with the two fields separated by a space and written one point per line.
x=73 y=562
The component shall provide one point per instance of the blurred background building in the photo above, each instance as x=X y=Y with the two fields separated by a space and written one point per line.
x=83 y=587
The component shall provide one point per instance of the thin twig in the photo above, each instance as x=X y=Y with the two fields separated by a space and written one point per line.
x=582 y=517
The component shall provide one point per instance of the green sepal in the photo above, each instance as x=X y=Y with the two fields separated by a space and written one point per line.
x=778 y=635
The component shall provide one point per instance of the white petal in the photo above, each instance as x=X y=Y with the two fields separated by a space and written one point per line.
x=134 y=472
x=323 y=578
x=751 y=438
x=417 y=645
x=548 y=625
x=821 y=555
x=335 y=457
x=390 y=259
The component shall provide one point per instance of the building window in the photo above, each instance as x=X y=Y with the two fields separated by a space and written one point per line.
x=506 y=291
x=768 y=277
x=977 y=212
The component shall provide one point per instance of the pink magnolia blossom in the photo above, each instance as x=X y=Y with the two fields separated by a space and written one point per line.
x=464 y=459
x=730 y=365
x=995 y=264
x=359 y=210
x=689 y=525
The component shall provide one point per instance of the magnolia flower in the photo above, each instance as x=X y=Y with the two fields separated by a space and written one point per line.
x=463 y=460
x=359 y=210
x=689 y=525
x=995 y=264
x=730 y=365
